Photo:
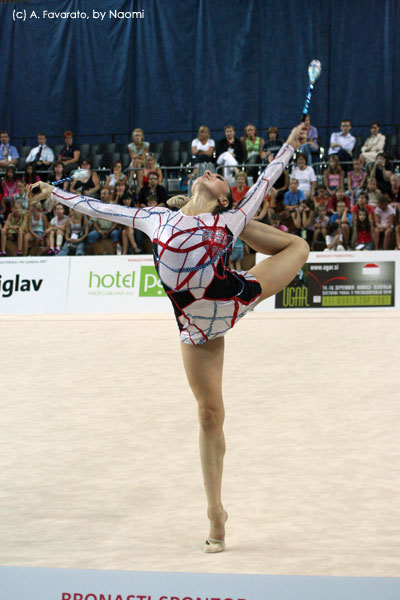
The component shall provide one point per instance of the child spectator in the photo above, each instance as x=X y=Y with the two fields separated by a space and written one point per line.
x=236 y=257
x=120 y=192
x=21 y=196
x=272 y=145
x=302 y=219
x=362 y=231
x=241 y=188
x=293 y=196
x=76 y=231
x=305 y=176
x=36 y=225
x=345 y=220
x=340 y=196
x=322 y=198
x=321 y=221
x=56 y=229
x=13 y=231
x=128 y=236
x=10 y=181
x=333 y=175
x=277 y=222
x=335 y=237
x=372 y=191
x=355 y=180
x=384 y=223
x=116 y=175
x=30 y=175
x=382 y=173
x=362 y=203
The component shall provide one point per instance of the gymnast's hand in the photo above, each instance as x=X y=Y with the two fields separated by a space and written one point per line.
x=297 y=136
x=39 y=191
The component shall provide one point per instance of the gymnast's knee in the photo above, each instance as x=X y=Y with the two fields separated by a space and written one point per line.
x=211 y=419
x=302 y=247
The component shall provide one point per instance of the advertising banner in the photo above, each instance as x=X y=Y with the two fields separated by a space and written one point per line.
x=33 y=285
x=115 y=284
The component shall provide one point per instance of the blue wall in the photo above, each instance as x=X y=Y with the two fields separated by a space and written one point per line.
x=189 y=62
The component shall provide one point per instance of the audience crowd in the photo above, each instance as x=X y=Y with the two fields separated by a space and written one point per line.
x=353 y=203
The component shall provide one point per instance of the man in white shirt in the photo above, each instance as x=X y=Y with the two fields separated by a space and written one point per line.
x=41 y=156
x=342 y=144
x=373 y=145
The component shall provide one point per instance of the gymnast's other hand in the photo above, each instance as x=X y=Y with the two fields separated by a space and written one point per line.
x=43 y=191
x=297 y=136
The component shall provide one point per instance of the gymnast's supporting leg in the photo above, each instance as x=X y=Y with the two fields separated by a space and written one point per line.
x=288 y=254
x=203 y=366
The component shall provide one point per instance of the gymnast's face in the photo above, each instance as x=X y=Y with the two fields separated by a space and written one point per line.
x=213 y=183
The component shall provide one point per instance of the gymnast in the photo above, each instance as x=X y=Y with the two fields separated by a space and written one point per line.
x=191 y=250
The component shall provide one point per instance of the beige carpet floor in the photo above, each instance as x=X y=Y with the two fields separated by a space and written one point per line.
x=99 y=462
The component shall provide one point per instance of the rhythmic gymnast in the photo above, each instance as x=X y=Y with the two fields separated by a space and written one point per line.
x=191 y=250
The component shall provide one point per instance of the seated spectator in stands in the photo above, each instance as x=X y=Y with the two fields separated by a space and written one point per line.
x=362 y=231
x=271 y=146
x=116 y=175
x=229 y=152
x=344 y=217
x=355 y=180
x=373 y=192
x=8 y=153
x=21 y=196
x=57 y=173
x=90 y=187
x=203 y=146
x=120 y=192
x=321 y=198
x=394 y=193
x=362 y=203
x=384 y=223
x=335 y=237
x=30 y=175
x=128 y=233
x=102 y=229
x=293 y=196
x=373 y=145
x=310 y=149
x=236 y=257
x=276 y=222
x=342 y=143
x=305 y=175
x=321 y=221
x=153 y=190
x=9 y=185
x=69 y=155
x=36 y=225
x=340 y=196
x=149 y=165
x=252 y=145
x=41 y=156
x=76 y=232
x=267 y=208
x=333 y=175
x=13 y=231
x=138 y=149
x=382 y=173
x=241 y=188
x=302 y=218
x=56 y=229
x=3 y=210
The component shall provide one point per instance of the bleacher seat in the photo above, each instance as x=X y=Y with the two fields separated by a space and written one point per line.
x=109 y=159
x=23 y=151
x=57 y=148
x=156 y=149
x=391 y=148
x=84 y=150
x=107 y=147
x=171 y=154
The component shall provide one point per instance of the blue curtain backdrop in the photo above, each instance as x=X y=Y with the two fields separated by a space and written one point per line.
x=189 y=62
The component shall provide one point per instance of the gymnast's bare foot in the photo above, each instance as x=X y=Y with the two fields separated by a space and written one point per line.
x=216 y=540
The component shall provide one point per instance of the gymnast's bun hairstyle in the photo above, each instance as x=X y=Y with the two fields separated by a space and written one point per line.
x=177 y=201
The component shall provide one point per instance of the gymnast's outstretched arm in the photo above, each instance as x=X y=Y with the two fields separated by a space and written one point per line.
x=145 y=219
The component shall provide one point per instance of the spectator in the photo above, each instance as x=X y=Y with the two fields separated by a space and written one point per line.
x=91 y=187
x=236 y=257
x=342 y=143
x=356 y=180
x=272 y=146
x=36 y=225
x=128 y=235
x=321 y=221
x=202 y=146
x=302 y=219
x=394 y=193
x=372 y=191
x=340 y=196
x=58 y=172
x=76 y=232
x=41 y=156
x=56 y=229
x=149 y=165
x=10 y=182
x=305 y=175
x=310 y=149
x=344 y=217
x=116 y=175
x=252 y=145
x=384 y=223
x=334 y=237
x=158 y=192
x=138 y=149
x=373 y=144
x=30 y=175
x=267 y=208
x=69 y=155
x=321 y=198
x=362 y=203
x=120 y=192
x=362 y=230
x=333 y=175
x=3 y=210
x=13 y=231
x=229 y=152
x=8 y=154
x=277 y=223
x=293 y=196
x=382 y=173
x=21 y=196
x=241 y=188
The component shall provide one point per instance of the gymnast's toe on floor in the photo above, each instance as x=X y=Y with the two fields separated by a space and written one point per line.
x=211 y=546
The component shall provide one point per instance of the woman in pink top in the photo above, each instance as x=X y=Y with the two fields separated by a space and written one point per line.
x=333 y=175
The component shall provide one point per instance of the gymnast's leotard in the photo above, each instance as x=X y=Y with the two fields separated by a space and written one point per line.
x=191 y=254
